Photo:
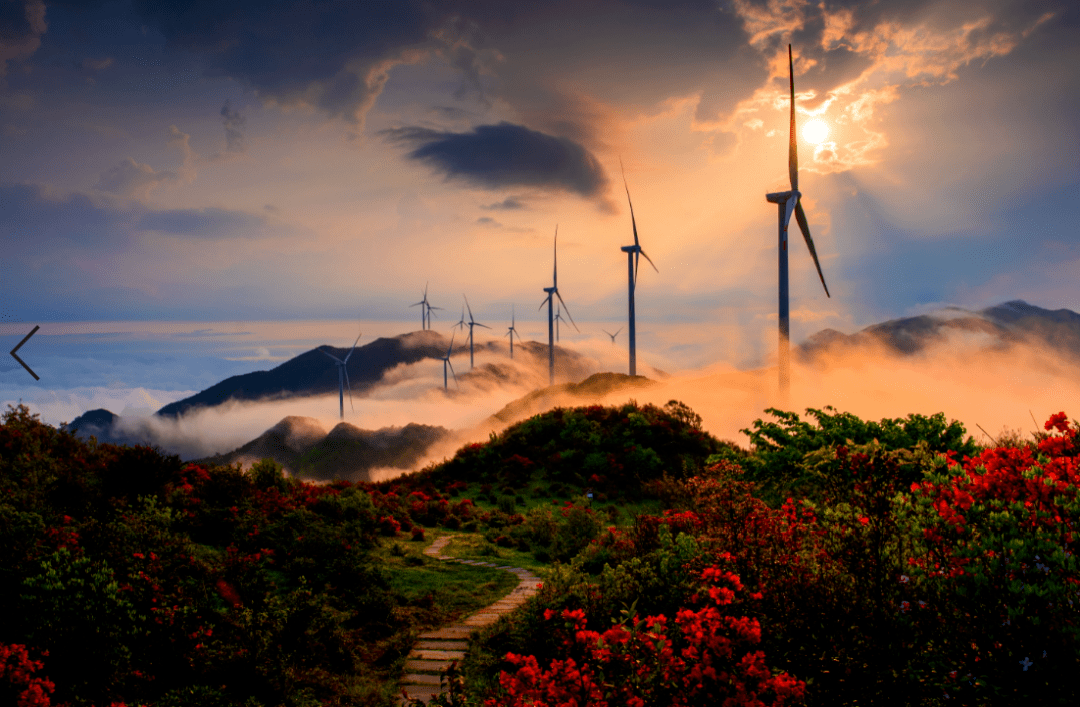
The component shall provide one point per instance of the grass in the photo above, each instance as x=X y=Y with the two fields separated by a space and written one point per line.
x=457 y=590
x=473 y=546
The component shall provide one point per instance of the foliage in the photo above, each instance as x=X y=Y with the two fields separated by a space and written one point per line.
x=779 y=448
x=142 y=580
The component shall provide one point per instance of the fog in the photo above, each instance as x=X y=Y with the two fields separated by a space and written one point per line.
x=971 y=378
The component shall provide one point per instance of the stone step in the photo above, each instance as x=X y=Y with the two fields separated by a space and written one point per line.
x=442 y=645
x=420 y=679
x=451 y=632
x=427 y=666
x=428 y=654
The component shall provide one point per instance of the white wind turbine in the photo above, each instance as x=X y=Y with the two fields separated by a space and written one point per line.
x=789 y=202
x=343 y=376
x=512 y=332
x=472 y=324
x=446 y=362
x=632 y=256
x=553 y=292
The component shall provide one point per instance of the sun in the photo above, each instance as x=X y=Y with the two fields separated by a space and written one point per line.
x=815 y=132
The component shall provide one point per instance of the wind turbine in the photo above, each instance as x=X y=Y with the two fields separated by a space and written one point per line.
x=512 y=332
x=788 y=202
x=461 y=323
x=429 y=308
x=425 y=319
x=611 y=335
x=446 y=362
x=343 y=377
x=553 y=292
x=632 y=256
x=558 y=318
x=472 y=323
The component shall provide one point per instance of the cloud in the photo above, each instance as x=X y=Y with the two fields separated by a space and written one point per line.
x=852 y=58
x=334 y=56
x=510 y=203
x=507 y=155
x=21 y=26
x=131 y=178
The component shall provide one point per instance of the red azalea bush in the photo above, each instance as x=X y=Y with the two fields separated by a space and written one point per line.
x=1001 y=571
x=18 y=685
x=706 y=657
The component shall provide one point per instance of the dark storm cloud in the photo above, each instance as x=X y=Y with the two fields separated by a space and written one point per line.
x=331 y=54
x=202 y=223
x=507 y=155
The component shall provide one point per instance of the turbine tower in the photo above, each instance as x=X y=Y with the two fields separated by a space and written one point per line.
x=343 y=377
x=472 y=324
x=553 y=292
x=612 y=335
x=446 y=362
x=512 y=332
x=632 y=256
x=788 y=202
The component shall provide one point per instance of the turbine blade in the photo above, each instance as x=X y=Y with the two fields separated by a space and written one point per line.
x=332 y=356
x=470 y=308
x=633 y=221
x=451 y=346
x=792 y=202
x=537 y=309
x=637 y=260
x=353 y=348
x=607 y=332
x=617 y=333
x=793 y=155
x=650 y=262
x=567 y=310
x=483 y=325
x=350 y=390
x=555 y=271
x=453 y=373
x=413 y=305
x=800 y=216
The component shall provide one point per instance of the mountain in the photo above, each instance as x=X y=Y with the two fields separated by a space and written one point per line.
x=307 y=451
x=993 y=328
x=97 y=423
x=314 y=373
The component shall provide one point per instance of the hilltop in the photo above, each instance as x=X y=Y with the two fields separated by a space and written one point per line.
x=992 y=328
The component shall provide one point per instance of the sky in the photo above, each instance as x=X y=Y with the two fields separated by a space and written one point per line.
x=192 y=166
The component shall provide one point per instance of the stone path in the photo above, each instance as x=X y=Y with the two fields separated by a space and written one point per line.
x=437 y=649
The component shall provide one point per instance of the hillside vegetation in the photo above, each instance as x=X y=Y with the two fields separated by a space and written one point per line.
x=836 y=562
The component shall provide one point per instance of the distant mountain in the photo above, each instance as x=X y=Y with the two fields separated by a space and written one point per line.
x=315 y=373
x=97 y=423
x=994 y=328
x=306 y=450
